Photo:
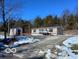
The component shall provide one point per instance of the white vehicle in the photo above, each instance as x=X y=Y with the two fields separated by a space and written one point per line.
x=24 y=40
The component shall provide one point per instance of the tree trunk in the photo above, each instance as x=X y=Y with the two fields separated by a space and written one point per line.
x=3 y=16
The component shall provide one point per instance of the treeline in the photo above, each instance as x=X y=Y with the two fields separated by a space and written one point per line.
x=68 y=20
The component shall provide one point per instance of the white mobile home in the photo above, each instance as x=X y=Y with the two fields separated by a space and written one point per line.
x=47 y=31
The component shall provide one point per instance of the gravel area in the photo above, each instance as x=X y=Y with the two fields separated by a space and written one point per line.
x=31 y=50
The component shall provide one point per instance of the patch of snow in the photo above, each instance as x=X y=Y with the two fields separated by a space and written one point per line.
x=48 y=54
x=37 y=34
x=67 y=43
x=70 y=41
x=58 y=47
x=24 y=40
x=18 y=55
x=71 y=55
x=1 y=37
x=61 y=57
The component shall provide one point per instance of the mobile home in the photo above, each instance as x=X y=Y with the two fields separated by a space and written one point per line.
x=47 y=31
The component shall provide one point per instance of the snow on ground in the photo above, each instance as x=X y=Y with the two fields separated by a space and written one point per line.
x=69 y=54
x=70 y=41
x=1 y=37
x=66 y=47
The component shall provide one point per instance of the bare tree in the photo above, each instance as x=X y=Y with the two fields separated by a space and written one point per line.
x=3 y=15
x=6 y=12
x=66 y=15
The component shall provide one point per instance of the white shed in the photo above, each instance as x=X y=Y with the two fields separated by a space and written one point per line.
x=15 y=31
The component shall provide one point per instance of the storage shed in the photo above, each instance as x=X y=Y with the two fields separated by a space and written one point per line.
x=16 y=31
